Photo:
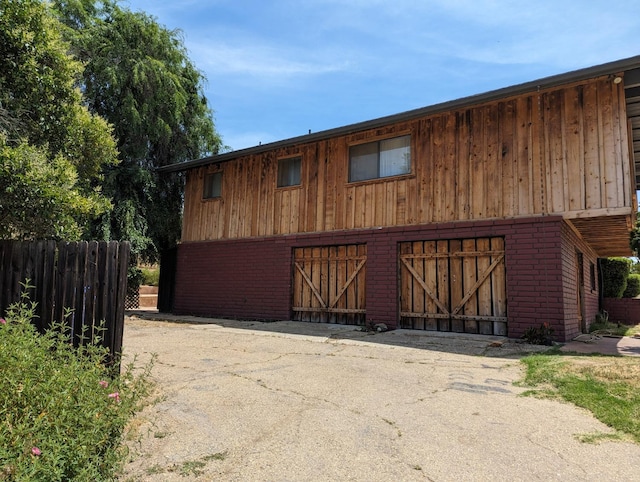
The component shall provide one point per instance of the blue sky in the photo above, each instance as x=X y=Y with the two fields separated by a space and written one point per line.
x=277 y=68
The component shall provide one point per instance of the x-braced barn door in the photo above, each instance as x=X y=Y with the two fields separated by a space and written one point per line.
x=454 y=285
x=329 y=284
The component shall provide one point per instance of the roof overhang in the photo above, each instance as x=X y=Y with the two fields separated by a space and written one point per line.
x=608 y=235
x=544 y=83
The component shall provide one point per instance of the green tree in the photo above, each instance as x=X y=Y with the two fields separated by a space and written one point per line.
x=40 y=197
x=139 y=77
x=614 y=272
x=633 y=286
x=53 y=149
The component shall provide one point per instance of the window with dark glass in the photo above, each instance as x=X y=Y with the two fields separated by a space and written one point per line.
x=212 y=186
x=289 y=171
x=384 y=158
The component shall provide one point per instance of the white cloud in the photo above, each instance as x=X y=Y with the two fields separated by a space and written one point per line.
x=259 y=60
x=566 y=34
x=281 y=66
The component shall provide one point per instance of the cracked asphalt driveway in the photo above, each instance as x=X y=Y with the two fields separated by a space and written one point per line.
x=242 y=401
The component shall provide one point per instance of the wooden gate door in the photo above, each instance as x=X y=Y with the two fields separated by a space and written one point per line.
x=454 y=285
x=329 y=284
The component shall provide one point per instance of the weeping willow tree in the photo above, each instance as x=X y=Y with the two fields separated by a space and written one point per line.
x=138 y=76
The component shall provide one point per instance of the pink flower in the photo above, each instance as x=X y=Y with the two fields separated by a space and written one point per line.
x=35 y=451
x=115 y=395
x=3 y=321
x=103 y=383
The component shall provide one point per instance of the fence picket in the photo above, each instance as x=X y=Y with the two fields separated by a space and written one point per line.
x=88 y=278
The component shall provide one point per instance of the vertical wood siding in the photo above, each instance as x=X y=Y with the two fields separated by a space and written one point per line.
x=558 y=151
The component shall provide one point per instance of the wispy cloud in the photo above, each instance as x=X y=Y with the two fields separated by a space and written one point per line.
x=277 y=68
x=256 y=59
x=499 y=32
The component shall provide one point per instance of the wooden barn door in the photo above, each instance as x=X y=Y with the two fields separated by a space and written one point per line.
x=454 y=285
x=329 y=284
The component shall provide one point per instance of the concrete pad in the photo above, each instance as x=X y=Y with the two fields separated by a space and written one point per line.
x=604 y=345
x=237 y=402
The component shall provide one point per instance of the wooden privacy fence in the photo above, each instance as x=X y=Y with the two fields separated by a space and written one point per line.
x=82 y=284
x=454 y=285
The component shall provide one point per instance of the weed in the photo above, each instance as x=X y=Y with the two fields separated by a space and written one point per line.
x=539 y=336
x=195 y=467
x=192 y=467
x=602 y=326
x=63 y=411
x=218 y=456
x=155 y=470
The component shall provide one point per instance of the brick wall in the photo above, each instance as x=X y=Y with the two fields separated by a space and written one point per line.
x=251 y=278
x=571 y=245
x=624 y=310
x=534 y=275
x=239 y=279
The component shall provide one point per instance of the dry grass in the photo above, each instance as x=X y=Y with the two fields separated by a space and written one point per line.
x=608 y=369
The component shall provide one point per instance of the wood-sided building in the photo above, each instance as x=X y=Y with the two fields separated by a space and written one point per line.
x=481 y=215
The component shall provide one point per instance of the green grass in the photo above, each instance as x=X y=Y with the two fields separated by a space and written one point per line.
x=609 y=387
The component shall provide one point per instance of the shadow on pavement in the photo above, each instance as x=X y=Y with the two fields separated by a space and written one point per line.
x=458 y=343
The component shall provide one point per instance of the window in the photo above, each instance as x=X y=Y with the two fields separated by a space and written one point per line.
x=592 y=276
x=212 y=186
x=289 y=171
x=385 y=158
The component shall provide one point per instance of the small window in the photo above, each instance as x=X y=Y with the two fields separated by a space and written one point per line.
x=592 y=276
x=212 y=186
x=289 y=171
x=385 y=158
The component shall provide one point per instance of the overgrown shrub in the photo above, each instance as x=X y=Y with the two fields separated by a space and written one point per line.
x=633 y=286
x=150 y=276
x=62 y=412
x=614 y=276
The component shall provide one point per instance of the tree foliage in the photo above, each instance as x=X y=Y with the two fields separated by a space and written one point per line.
x=40 y=197
x=633 y=286
x=138 y=76
x=53 y=150
x=69 y=70
x=614 y=272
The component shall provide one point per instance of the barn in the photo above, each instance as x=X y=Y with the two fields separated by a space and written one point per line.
x=484 y=215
